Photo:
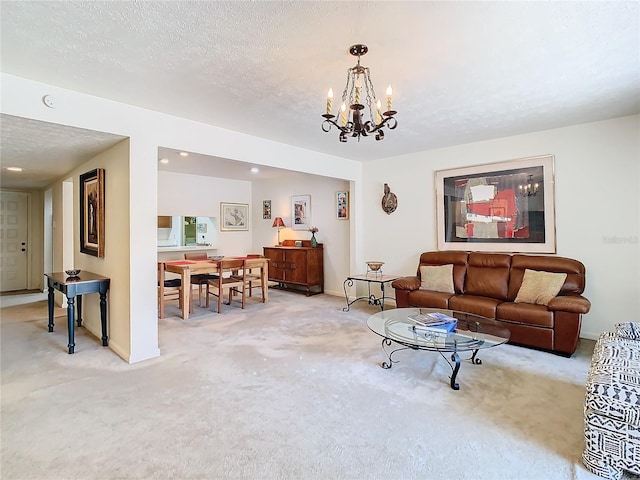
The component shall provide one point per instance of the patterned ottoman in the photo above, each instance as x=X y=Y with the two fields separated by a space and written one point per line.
x=612 y=404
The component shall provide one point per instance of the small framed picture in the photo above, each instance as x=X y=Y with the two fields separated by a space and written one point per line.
x=342 y=205
x=266 y=209
x=298 y=243
x=234 y=216
x=301 y=212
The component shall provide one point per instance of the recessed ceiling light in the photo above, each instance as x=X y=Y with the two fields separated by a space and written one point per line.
x=164 y=160
x=184 y=154
x=14 y=169
x=255 y=169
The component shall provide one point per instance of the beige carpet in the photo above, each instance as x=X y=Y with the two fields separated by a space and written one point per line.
x=288 y=390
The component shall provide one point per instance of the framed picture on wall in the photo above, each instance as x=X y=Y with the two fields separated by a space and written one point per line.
x=342 y=205
x=234 y=216
x=266 y=209
x=92 y=212
x=499 y=207
x=300 y=212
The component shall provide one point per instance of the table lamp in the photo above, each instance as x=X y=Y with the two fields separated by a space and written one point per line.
x=278 y=222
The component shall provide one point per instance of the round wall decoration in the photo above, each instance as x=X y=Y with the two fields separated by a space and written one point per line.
x=389 y=200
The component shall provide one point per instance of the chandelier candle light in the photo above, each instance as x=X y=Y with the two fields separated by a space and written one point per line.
x=360 y=88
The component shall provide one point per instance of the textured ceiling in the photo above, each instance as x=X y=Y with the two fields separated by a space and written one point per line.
x=461 y=71
x=45 y=150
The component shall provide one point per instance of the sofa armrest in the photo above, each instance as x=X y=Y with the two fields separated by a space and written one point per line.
x=570 y=303
x=406 y=283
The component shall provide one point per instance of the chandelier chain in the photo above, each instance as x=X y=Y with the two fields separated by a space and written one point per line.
x=371 y=96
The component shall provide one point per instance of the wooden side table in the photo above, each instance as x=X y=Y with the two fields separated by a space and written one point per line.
x=72 y=287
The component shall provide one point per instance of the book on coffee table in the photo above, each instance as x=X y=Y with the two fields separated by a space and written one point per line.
x=435 y=322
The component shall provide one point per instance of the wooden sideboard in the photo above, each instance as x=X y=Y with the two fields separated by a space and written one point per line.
x=297 y=266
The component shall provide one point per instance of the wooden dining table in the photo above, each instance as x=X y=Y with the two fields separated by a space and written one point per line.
x=186 y=268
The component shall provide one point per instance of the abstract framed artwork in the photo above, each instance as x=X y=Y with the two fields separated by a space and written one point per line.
x=300 y=212
x=92 y=212
x=234 y=216
x=499 y=207
x=266 y=209
x=342 y=205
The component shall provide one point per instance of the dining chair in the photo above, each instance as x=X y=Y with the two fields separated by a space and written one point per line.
x=234 y=282
x=168 y=289
x=254 y=275
x=199 y=279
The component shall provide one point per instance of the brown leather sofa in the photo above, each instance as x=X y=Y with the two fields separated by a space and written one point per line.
x=487 y=284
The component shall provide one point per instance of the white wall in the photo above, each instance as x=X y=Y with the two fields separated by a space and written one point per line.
x=148 y=130
x=191 y=193
x=195 y=195
x=332 y=233
x=597 y=178
x=115 y=162
x=596 y=195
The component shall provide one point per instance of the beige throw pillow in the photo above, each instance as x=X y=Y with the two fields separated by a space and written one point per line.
x=539 y=287
x=437 y=278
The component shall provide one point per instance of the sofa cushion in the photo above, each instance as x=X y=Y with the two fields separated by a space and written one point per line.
x=488 y=275
x=539 y=287
x=438 y=278
x=483 y=306
x=575 y=270
x=458 y=259
x=525 y=313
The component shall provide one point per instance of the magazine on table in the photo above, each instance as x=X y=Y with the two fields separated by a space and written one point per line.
x=436 y=322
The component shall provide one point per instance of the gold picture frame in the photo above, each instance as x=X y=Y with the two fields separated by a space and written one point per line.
x=92 y=212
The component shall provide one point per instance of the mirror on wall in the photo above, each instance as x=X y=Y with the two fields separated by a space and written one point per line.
x=186 y=231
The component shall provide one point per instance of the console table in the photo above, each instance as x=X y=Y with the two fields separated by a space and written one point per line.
x=369 y=278
x=72 y=287
x=301 y=266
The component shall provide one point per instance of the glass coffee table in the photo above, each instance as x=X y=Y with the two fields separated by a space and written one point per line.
x=472 y=333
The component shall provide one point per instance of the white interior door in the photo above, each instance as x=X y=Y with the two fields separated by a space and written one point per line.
x=13 y=241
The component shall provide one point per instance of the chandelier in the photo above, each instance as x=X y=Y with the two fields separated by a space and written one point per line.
x=358 y=96
x=530 y=189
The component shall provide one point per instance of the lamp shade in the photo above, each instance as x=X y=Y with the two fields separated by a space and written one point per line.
x=278 y=222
